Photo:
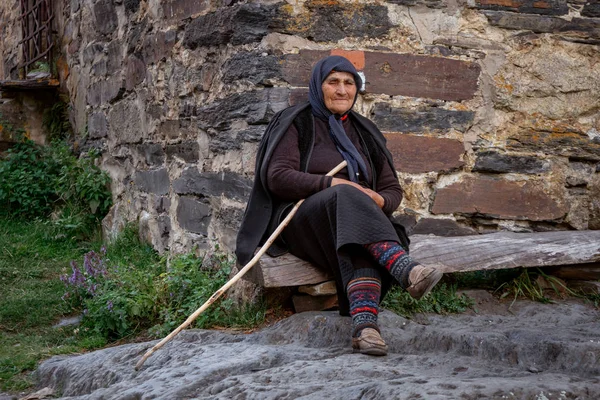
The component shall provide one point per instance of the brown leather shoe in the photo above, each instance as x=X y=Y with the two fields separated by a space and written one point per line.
x=369 y=342
x=422 y=279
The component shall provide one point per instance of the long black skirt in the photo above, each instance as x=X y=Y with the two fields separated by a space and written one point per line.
x=330 y=230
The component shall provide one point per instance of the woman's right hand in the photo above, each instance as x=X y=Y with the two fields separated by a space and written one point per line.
x=376 y=197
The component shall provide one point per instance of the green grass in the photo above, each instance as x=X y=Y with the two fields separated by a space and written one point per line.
x=443 y=299
x=146 y=297
x=31 y=261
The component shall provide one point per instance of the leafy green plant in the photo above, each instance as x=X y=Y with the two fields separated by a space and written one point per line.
x=121 y=299
x=443 y=299
x=38 y=180
x=56 y=121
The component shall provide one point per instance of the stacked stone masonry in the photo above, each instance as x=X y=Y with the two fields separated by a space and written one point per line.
x=491 y=108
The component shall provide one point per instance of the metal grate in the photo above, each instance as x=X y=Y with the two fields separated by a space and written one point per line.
x=36 y=22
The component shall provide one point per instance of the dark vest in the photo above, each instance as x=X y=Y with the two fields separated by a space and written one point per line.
x=264 y=212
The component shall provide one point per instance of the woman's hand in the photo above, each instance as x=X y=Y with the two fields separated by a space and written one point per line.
x=376 y=197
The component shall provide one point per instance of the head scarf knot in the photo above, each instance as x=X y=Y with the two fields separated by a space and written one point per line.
x=356 y=164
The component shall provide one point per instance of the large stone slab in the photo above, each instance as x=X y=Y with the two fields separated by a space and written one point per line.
x=493 y=161
x=536 y=350
x=126 y=122
x=591 y=9
x=332 y=20
x=152 y=153
x=441 y=227
x=188 y=151
x=97 y=125
x=391 y=119
x=573 y=144
x=224 y=183
x=421 y=76
x=498 y=198
x=193 y=215
x=418 y=154
x=153 y=181
x=576 y=28
x=398 y=74
x=239 y=24
x=548 y=7
x=255 y=67
x=256 y=107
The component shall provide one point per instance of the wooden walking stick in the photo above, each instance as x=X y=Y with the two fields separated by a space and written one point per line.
x=233 y=280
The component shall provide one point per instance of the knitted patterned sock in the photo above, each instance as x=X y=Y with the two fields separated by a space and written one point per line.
x=364 y=293
x=393 y=257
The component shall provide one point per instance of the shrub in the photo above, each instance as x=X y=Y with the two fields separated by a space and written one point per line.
x=38 y=180
x=119 y=299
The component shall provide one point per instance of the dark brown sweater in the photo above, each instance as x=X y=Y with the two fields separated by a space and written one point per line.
x=286 y=181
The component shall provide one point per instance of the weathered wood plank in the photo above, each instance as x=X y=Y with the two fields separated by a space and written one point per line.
x=455 y=254
x=286 y=270
x=30 y=84
x=585 y=272
x=507 y=250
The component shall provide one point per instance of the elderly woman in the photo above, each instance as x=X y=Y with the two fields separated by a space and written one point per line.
x=344 y=225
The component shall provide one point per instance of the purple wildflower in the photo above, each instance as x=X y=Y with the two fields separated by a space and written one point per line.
x=109 y=305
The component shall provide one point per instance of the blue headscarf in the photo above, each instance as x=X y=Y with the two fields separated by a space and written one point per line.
x=343 y=144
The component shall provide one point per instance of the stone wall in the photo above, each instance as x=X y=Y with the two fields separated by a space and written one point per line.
x=490 y=107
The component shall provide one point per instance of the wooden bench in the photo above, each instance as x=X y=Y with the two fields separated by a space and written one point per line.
x=498 y=250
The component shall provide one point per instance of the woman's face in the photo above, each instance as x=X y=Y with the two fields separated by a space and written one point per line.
x=339 y=90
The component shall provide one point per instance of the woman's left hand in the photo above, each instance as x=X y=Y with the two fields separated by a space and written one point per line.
x=375 y=196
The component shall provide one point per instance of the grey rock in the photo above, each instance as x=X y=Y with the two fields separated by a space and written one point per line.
x=492 y=161
x=591 y=9
x=158 y=46
x=239 y=24
x=105 y=91
x=222 y=142
x=578 y=29
x=188 y=151
x=332 y=21
x=193 y=215
x=153 y=181
x=131 y=6
x=485 y=355
x=548 y=7
x=251 y=66
x=205 y=184
x=153 y=153
x=406 y=220
x=135 y=72
x=97 y=125
x=125 y=122
x=114 y=56
x=164 y=225
x=134 y=35
x=427 y=3
x=393 y=119
x=256 y=107
x=92 y=50
x=162 y=204
x=441 y=227
x=105 y=17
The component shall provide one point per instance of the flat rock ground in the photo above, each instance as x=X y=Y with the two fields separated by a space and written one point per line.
x=534 y=351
